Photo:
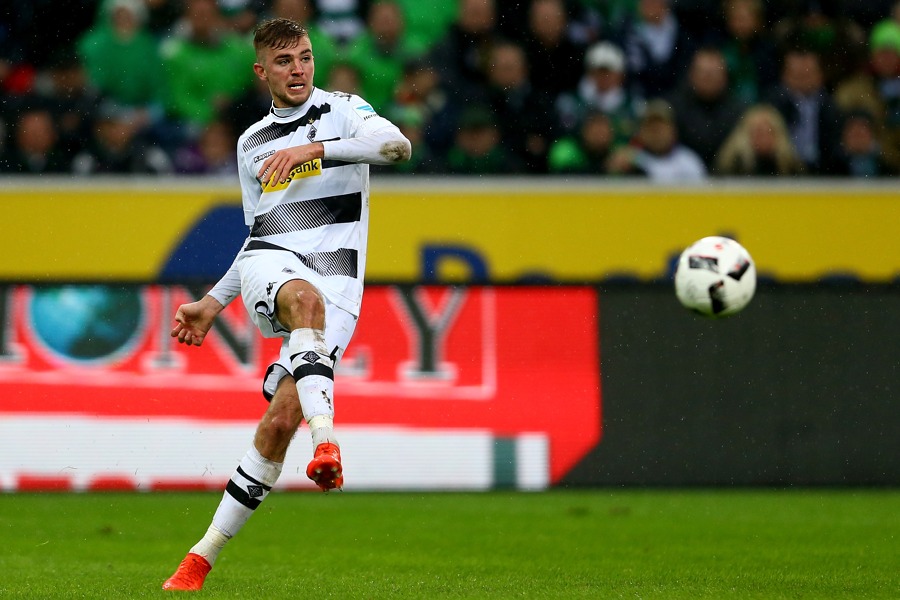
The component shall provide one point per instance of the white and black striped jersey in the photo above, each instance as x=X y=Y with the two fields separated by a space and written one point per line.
x=321 y=213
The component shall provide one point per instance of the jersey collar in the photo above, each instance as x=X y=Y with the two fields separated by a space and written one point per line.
x=291 y=111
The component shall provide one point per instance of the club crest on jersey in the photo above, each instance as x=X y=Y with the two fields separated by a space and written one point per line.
x=311 y=168
x=311 y=136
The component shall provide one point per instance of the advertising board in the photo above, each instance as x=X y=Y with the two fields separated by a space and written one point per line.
x=477 y=387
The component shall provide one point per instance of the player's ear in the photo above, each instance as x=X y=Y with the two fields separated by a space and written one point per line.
x=260 y=71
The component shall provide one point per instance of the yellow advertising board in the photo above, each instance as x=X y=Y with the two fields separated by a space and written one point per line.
x=498 y=230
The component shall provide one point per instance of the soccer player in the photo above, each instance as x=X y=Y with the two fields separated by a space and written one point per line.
x=304 y=179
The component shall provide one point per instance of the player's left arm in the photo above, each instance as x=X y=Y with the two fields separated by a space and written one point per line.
x=383 y=145
x=370 y=138
x=367 y=137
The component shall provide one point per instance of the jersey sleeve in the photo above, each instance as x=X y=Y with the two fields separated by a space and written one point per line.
x=228 y=288
x=368 y=137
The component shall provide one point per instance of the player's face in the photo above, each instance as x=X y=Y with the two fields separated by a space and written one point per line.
x=288 y=72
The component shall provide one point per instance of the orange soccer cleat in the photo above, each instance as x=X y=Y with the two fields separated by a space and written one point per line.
x=190 y=574
x=325 y=467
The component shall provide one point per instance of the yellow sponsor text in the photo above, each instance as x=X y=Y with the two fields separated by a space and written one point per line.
x=310 y=168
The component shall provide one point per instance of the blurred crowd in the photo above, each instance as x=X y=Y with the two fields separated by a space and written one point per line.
x=671 y=90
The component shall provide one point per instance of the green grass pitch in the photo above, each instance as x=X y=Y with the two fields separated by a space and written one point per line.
x=606 y=543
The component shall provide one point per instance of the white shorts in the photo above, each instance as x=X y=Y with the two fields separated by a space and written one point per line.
x=263 y=272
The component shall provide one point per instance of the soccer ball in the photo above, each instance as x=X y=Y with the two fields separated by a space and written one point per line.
x=715 y=277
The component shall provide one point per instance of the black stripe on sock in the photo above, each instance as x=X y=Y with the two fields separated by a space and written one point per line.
x=248 y=478
x=306 y=370
x=235 y=491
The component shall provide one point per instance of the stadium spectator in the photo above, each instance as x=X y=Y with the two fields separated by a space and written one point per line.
x=812 y=117
x=249 y=107
x=421 y=88
x=478 y=148
x=759 y=145
x=555 y=60
x=202 y=67
x=117 y=148
x=111 y=50
x=587 y=152
x=749 y=50
x=461 y=57
x=62 y=88
x=876 y=90
x=427 y=21
x=657 y=48
x=888 y=27
x=241 y=15
x=526 y=123
x=822 y=28
x=602 y=88
x=380 y=52
x=591 y=21
x=658 y=155
x=705 y=110
x=35 y=146
x=212 y=154
x=342 y=20
x=860 y=153
x=344 y=78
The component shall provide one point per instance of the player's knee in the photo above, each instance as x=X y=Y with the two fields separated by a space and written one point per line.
x=301 y=306
x=281 y=426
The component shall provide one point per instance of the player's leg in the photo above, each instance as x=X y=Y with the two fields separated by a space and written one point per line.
x=248 y=487
x=300 y=307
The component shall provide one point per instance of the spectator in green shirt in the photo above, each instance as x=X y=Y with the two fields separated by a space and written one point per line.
x=478 y=148
x=587 y=152
x=427 y=21
x=380 y=53
x=204 y=67
x=122 y=58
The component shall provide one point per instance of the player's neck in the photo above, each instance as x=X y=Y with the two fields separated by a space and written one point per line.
x=290 y=111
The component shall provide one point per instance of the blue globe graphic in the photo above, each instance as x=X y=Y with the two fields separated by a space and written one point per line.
x=86 y=323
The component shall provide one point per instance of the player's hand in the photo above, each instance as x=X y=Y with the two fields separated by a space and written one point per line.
x=194 y=320
x=278 y=166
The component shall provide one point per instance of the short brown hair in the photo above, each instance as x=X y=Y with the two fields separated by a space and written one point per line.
x=277 y=34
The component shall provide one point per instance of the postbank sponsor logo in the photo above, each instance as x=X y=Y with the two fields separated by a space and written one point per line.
x=310 y=168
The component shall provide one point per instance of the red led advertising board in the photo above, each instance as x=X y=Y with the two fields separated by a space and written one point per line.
x=509 y=361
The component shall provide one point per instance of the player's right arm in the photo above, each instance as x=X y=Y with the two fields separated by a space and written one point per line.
x=194 y=320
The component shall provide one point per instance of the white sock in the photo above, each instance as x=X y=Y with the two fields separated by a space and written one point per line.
x=314 y=373
x=248 y=487
x=212 y=543
x=321 y=427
